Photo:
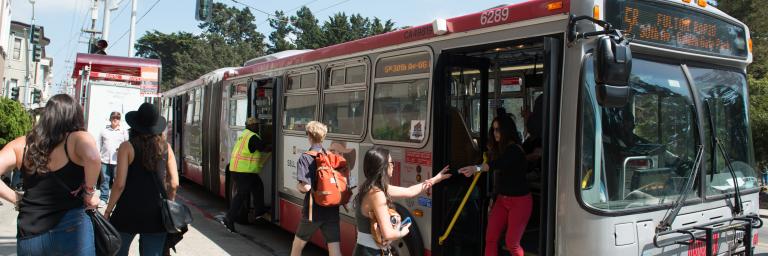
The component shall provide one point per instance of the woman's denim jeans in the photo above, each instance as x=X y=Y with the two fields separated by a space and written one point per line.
x=72 y=236
x=150 y=244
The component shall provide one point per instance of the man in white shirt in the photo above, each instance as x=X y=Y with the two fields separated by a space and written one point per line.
x=109 y=141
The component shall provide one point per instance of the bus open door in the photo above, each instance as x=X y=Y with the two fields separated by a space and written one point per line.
x=470 y=84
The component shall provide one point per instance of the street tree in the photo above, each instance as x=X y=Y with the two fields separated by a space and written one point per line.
x=279 y=38
x=14 y=121
x=308 y=32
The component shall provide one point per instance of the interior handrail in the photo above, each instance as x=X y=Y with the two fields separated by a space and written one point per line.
x=445 y=235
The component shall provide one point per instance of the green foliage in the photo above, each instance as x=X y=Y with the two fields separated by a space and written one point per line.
x=166 y=47
x=230 y=38
x=758 y=111
x=279 y=37
x=308 y=33
x=14 y=121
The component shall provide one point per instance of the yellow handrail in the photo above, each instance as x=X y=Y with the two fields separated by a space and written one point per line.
x=458 y=211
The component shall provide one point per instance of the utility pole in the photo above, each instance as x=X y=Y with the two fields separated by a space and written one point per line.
x=24 y=94
x=109 y=6
x=93 y=31
x=132 y=35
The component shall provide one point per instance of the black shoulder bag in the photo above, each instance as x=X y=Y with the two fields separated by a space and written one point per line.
x=176 y=216
x=107 y=238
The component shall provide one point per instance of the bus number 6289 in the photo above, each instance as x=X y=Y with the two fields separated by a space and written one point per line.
x=494 y=16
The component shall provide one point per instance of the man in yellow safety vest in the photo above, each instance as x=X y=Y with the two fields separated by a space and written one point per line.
x=248 y=157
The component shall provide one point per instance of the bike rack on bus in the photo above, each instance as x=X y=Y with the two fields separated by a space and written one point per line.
x=687 y=235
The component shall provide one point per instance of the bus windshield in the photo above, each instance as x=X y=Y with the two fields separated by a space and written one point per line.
x=639 y=154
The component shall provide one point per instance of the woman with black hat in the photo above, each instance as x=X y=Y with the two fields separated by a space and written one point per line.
x=143 y=162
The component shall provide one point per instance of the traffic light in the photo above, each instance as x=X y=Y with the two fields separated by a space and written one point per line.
x=37 y=52
x=35 y=35
x=36 y=95
x=204 y=10
x=15 y=93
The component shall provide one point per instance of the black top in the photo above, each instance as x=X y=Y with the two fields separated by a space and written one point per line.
x=509 y=171
x=363 y=222
x=306 y=172
x=256 y=144
x=45 y=202
x=138 y=210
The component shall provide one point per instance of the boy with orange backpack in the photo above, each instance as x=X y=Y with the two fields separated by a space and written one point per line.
x=322 y=176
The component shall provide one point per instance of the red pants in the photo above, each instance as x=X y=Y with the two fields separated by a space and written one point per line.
x=510 y=213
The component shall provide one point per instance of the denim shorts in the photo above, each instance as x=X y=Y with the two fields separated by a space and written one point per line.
x=72 y=236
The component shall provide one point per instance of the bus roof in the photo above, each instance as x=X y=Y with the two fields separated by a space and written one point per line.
x=113 y=64
x=215 y=75
x=517 y=12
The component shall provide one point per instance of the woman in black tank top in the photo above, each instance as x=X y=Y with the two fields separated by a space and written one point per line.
x=143 y=162
x=60 y=164
x=375 y=199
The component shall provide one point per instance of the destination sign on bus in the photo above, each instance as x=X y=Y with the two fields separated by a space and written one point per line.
x=403 y=65
x=677 y=27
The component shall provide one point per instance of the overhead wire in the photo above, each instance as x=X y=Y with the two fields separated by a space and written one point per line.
x=137 y=22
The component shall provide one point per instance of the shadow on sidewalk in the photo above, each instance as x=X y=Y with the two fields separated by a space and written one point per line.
x=262 y=238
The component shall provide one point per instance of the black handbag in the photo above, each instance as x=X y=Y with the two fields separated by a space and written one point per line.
x=176 y=216
x=106 y=237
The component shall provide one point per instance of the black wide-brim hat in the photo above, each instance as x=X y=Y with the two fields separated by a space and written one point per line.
x=146 y=120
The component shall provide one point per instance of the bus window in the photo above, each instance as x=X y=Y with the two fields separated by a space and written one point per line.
x=237 y=112
x=343 y=112
x=299 y=110
x=190 y=107
x=344 y=108
x=639 y=154
x=400 y=110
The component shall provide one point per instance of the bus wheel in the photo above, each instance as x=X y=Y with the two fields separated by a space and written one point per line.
x=412 y=244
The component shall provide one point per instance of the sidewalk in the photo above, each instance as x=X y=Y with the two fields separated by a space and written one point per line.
x=205 y=237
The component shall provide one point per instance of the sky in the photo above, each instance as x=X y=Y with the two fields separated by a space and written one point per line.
x=63 y=20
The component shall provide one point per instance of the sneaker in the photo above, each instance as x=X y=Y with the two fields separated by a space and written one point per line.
x=228 y=224
x=102 y=204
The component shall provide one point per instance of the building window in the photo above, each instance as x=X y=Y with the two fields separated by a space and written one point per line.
x=17 y=48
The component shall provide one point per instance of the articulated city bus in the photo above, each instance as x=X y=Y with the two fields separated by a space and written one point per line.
x=640 y=106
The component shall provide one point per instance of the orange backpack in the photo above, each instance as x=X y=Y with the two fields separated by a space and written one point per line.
x=332 y=187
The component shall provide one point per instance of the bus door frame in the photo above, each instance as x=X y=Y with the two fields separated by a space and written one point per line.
x=441 y=141
x=553 y=69
x=253 y=85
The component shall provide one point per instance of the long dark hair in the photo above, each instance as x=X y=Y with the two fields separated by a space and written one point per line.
x=509 y=134
x=152 y=148
x=375 y=166
x=61 y=116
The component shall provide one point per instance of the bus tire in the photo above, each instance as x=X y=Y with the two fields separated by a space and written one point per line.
x=412 y=244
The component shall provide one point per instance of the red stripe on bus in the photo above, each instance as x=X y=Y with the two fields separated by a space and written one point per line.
x=193 y=172
x=515 y=13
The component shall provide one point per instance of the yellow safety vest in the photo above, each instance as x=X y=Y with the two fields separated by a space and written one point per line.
x=242 y=160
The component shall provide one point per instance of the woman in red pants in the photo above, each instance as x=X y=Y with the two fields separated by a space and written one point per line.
x=512 y=204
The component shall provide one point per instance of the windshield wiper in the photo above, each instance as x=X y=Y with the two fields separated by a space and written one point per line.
x=737 y=207
x=669 y=218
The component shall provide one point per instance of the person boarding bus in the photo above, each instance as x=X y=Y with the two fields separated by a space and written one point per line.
x=248 y=157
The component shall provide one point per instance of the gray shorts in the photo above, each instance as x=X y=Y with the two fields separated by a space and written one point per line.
x=330 y=229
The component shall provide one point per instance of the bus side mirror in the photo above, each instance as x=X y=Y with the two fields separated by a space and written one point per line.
x=612 y=68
